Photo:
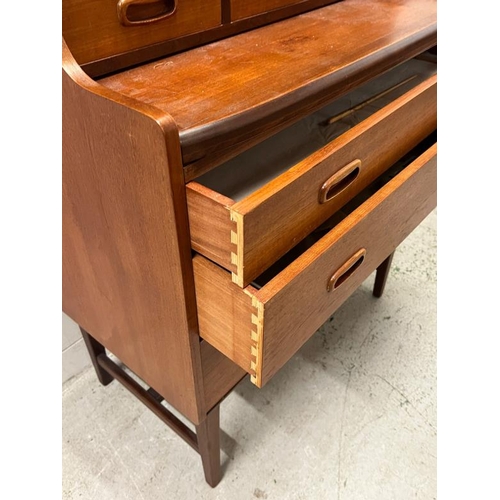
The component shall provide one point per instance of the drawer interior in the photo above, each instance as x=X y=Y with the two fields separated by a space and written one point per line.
x=261 y=326
x=256 y=167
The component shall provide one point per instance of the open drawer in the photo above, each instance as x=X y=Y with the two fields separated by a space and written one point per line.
x=261 y=326
x=247 y=213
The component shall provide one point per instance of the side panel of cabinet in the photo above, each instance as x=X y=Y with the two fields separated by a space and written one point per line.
x=127 y=272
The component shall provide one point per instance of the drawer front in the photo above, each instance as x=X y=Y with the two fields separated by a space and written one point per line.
x=261 y=329
x=248 y=236
x=96 y=29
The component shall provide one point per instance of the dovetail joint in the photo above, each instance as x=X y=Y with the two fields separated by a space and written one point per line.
x=256 y=336
x=237 y=242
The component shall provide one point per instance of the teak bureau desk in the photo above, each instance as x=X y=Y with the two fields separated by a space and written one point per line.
x=222 y=200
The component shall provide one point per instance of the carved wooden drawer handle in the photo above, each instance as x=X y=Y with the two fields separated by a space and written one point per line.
x=138 y=12
x=346 y=270
x=339 y=181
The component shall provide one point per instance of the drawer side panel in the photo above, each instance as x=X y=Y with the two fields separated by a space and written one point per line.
x=93 y=30
x=226 y=314
x=210 y=225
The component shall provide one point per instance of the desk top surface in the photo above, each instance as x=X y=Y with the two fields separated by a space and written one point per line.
x=272 y=76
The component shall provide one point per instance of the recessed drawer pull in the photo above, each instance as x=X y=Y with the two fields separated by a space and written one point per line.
x=137 y=12
x=339 y=181
x=346 y=270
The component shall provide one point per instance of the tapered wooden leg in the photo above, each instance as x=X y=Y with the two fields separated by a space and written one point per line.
x=95 y=349
x=208 y=433
x=381 y=276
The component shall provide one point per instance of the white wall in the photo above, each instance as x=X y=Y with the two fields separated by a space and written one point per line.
x=74 y=353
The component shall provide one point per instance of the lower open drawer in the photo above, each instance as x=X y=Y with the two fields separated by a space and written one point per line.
x=261 y=326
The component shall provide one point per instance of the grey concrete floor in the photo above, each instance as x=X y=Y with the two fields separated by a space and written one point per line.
x=351 y=416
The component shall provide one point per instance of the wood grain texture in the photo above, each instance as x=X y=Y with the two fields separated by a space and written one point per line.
x=210 y=224
x=208 y=434
x=241 y=9
x=220 y=374
x=229 y=332
x=227 y=96
x=228 y=28
x=379 y=225
x=277 y=216
x=127 y=275
x=93 y=31
x=294 y=304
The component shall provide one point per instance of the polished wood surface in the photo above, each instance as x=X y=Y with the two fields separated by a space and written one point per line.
x=270 y=221
x=220 y=375
x=285 y=312
x=96 y=29
x=133 y=138
x=233 y=93
x=127 y=275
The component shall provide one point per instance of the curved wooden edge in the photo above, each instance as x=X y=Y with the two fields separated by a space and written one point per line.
x=228 y=28
x=238 y=132
x=425 y=162
x=76 y=73
x=282 y=182
x=351 y=264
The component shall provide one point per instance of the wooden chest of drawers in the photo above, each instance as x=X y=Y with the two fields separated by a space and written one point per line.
x=221 y=203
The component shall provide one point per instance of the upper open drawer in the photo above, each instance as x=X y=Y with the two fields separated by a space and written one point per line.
x=229 y=95
x=247 y=213
x=261 y=326
x=98 y=29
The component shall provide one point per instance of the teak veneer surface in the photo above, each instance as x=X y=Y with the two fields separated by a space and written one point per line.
x=229 y=95
x=261 y=330
x=248 y=236
x=127 y=275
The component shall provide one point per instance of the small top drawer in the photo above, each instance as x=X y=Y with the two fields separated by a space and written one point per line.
x=247 y=213
x=97 y=29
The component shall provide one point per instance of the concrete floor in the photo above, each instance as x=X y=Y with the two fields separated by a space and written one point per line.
x=351 y=416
